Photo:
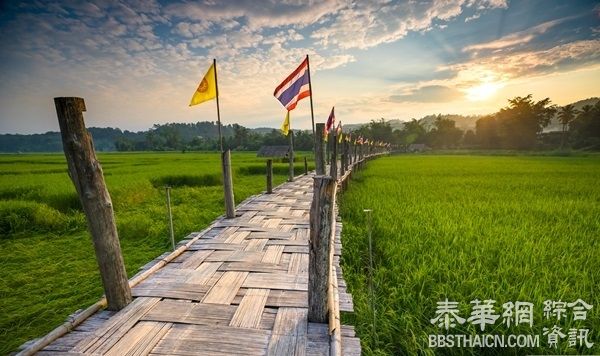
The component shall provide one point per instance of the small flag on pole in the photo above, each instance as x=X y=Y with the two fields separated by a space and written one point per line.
x=285 y=127
x=339 y=132
x=295 y=87
x=330 y=120
x=207 y=89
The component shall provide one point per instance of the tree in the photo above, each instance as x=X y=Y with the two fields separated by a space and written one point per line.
x=445 y=134
x=585 y=128
x=565 y=116
x=412 y=132
x=522 y=121
x=486 y=132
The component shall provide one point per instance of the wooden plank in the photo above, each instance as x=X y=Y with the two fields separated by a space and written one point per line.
x=250 y=310
x=226 y=288
x=185 y=339
x=174 y=311
x=117 y=326
x=204 y=272
x=256 y=244
x=174 y=290
x=140 y=340
x=276 y=281
x=238 y=237
x=289 y=332
x=252 y=267
x=195 y=259
x=205 y=245
x=298 y=264
x=273 y=254
x=280 y=298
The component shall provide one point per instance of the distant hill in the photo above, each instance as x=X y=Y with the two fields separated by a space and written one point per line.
x=106 y=139
x=172 y=135
x=463 y=122
x=467 y=122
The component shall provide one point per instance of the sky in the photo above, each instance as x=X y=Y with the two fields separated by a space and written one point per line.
x=137 y=63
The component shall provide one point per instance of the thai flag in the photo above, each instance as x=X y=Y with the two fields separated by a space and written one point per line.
x=295 y=87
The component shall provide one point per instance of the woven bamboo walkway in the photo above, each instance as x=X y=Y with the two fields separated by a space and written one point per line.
x=239 y=288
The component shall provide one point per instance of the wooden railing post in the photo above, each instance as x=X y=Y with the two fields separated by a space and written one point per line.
x=291 y=157
x=321 y=235
x=269 y=176
x=228 y=184
x=305 y=166
x=343 y=159
x=333 y=160
x=319 y=154
x=86 y=173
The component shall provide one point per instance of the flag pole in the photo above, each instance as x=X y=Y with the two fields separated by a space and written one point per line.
x=218 y=110
x=312 y=114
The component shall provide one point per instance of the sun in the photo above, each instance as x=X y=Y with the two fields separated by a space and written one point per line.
x=483 y=91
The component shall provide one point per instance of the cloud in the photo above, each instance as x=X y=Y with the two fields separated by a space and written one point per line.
x=428 y=94
x=516 y=38
x=367 y=24
x=563 y=57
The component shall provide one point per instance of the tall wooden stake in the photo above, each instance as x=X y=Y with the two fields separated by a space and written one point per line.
x=228 y=184
x=291 y=156
x=319 y=258
x=172 y=231
x=86 y=173
x=333 y=161
x=269 y=176
x=319 y=154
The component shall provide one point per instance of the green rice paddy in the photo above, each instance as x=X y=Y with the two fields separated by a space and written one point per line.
x=47 y=263
x=502 y=228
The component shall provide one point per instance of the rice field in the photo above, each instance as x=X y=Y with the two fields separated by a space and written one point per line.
x=47 y=263
x=466 y=228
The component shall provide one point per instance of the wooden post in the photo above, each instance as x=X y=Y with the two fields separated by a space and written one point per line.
x=343 y=159
x=319 y=157
x=170 y=213
x=291 y=157
x=305 y=166
x=333 y=160
x=269 y=176
x=321 y=235
x=86 y=173
x=228 y=184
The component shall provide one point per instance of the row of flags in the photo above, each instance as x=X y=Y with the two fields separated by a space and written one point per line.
x=294 y=88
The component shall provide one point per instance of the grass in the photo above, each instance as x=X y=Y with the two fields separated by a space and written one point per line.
x=518 y=228
x=47 y=263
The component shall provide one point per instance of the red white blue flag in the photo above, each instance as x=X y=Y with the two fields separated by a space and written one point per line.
x=330 y=120
x=295 y=87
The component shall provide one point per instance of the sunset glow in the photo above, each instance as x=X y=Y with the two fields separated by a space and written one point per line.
x=483 y=91
x=138 y=63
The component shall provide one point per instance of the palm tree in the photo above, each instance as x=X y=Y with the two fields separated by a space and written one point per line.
x=565 y=116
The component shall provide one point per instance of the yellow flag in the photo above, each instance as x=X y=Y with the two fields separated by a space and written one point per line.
x=207 y=89
x=285 y=127
x=340 y=138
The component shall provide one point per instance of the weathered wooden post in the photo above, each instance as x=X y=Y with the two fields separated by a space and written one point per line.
x=333 y=160
x=86 y=173
x=321 y=235
x=291 y=157
x=305 y=166
x=343 y=159
x=319 y=156
x=170 y=213
x=269 y=176
x=228 y=184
